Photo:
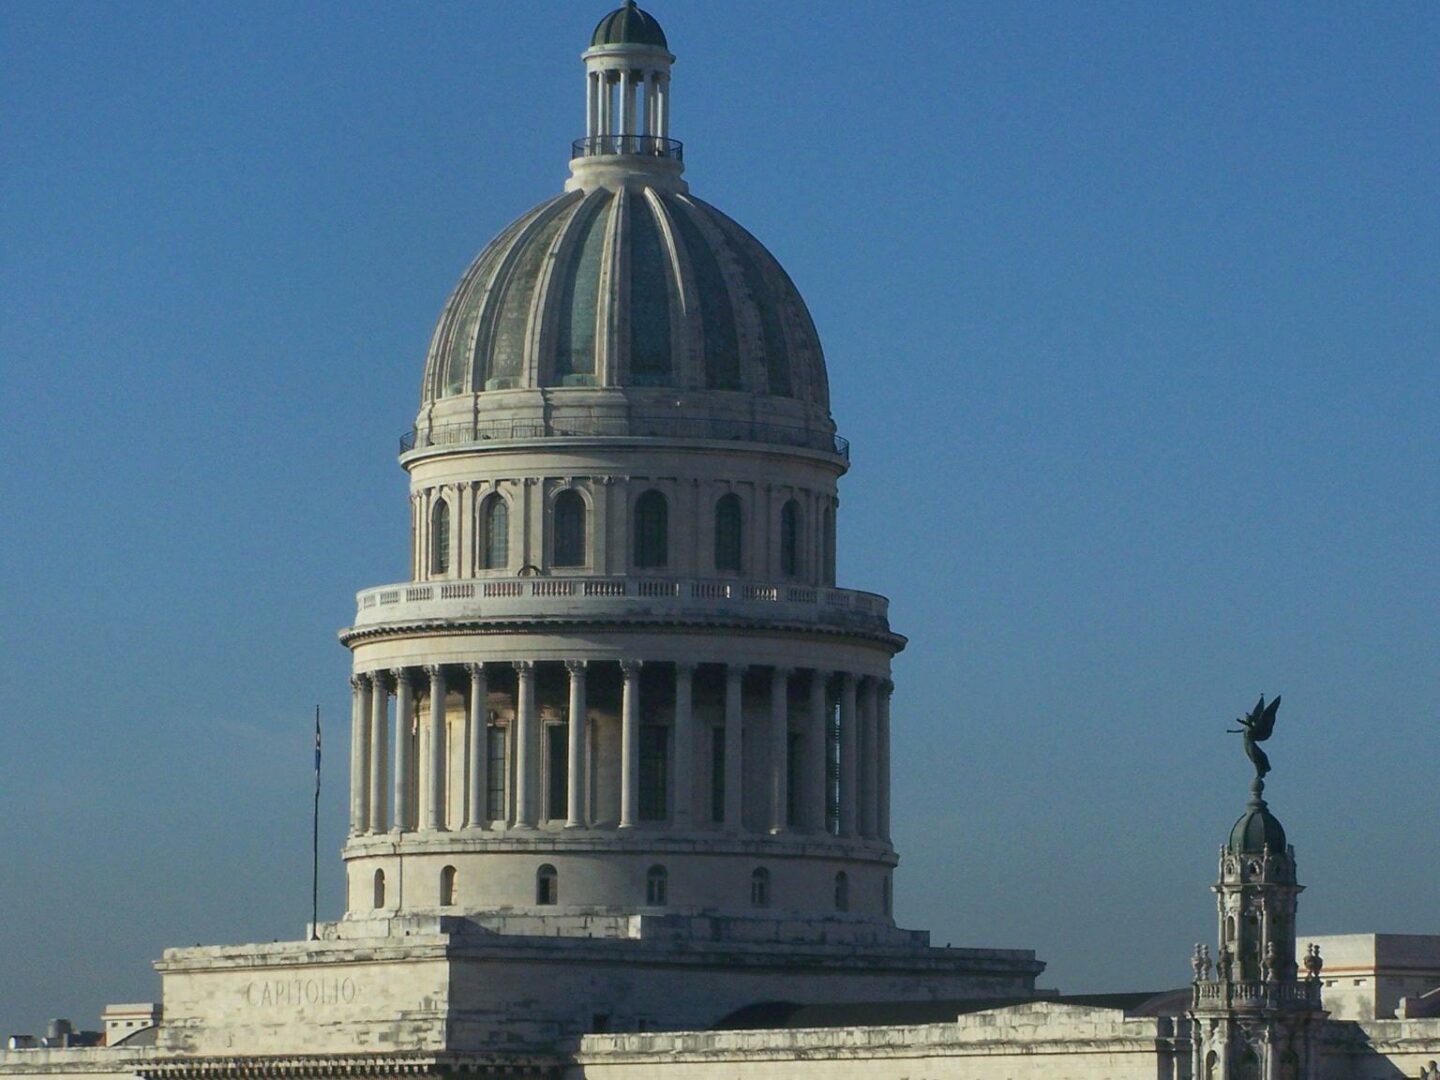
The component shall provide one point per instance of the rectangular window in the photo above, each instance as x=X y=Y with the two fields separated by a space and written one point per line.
x=558 y=736
x=832 y=771
x=495 y=755
x=717 y=775
x=654 y=758
x=794 y=777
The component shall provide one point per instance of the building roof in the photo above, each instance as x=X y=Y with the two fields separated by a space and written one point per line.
x=775 y=1015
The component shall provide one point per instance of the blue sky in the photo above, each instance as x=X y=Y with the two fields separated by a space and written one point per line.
x=1131 y=314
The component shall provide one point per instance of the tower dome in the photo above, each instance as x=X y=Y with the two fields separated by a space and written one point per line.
x=629 y=25
x=633 y=286
x=625 y=306
x=1257 y=829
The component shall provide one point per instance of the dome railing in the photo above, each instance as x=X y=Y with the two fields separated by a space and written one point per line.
x=633 y=426
x=632 y=145
x=557 y=596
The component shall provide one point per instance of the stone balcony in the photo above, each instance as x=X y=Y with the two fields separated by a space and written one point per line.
x=1224 y=994
x=619 y=599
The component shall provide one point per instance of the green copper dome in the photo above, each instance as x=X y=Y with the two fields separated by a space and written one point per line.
x=629 y=26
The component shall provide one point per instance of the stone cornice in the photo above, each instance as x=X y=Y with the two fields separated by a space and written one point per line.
x=350 y=636
x=520 y=1066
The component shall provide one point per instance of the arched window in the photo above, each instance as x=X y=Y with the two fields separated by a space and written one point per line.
x=1212 y=1065
x=494 y=534
x=569 y=549
x=546 y=885
x=729 y=522
x=760 y=888
x=440 y=538
x=790 y=539
x=379 y=900
x=447 y=886
x=842 y=891
x=652 y=529
x=656 y=882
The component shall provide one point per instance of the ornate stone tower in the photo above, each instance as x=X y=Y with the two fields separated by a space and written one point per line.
x=1256 y=1019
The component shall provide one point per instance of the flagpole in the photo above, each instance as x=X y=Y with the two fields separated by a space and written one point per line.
x=315 y=842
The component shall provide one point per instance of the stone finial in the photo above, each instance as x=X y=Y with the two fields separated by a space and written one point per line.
x=1314 y=964
x=1201 y=963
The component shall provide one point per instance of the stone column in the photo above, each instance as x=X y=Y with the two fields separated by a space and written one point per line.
x=817 y=749
x=575 y=780
x=524 y=735
x=435 y=774
x=590 y=99
x=630 y=744
x=882 y=760
x=401 y=819
x=359 y=754
x=379 y=751
x=684 y=745
x=869 y=759
x=734 y=713
x=477 y=747
x=848 y=758
x=779 y=748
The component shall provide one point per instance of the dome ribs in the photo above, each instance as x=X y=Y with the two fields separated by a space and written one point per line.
x=651 y=357
x=513 y=316
x=571 y=352
x=721 y=347
x=449 y=347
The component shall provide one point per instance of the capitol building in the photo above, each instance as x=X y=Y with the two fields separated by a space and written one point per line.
x=620 y=777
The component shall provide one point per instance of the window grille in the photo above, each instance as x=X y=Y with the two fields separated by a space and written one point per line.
x=495 y=756
x=569 y=547
x=656 y=886
x=760 y=888
x=495 y=534
x=440 y=538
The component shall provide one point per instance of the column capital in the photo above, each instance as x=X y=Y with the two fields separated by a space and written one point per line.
x=887 y=687
x=576 y=668
x=685 y=667
x=377 y=680
x=631 y=667
x=735 y=672
x=778 y=672
x=476 y=670
x=435 y=671
x=524 y=667
x=401 y=675
x=359 y=681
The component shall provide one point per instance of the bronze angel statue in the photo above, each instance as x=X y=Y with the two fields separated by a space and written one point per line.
x=1257 y=727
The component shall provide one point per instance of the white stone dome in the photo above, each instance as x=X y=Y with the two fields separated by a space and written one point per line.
x=637 y=286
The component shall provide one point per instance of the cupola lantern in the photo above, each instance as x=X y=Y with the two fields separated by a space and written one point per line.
x=627 y=101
